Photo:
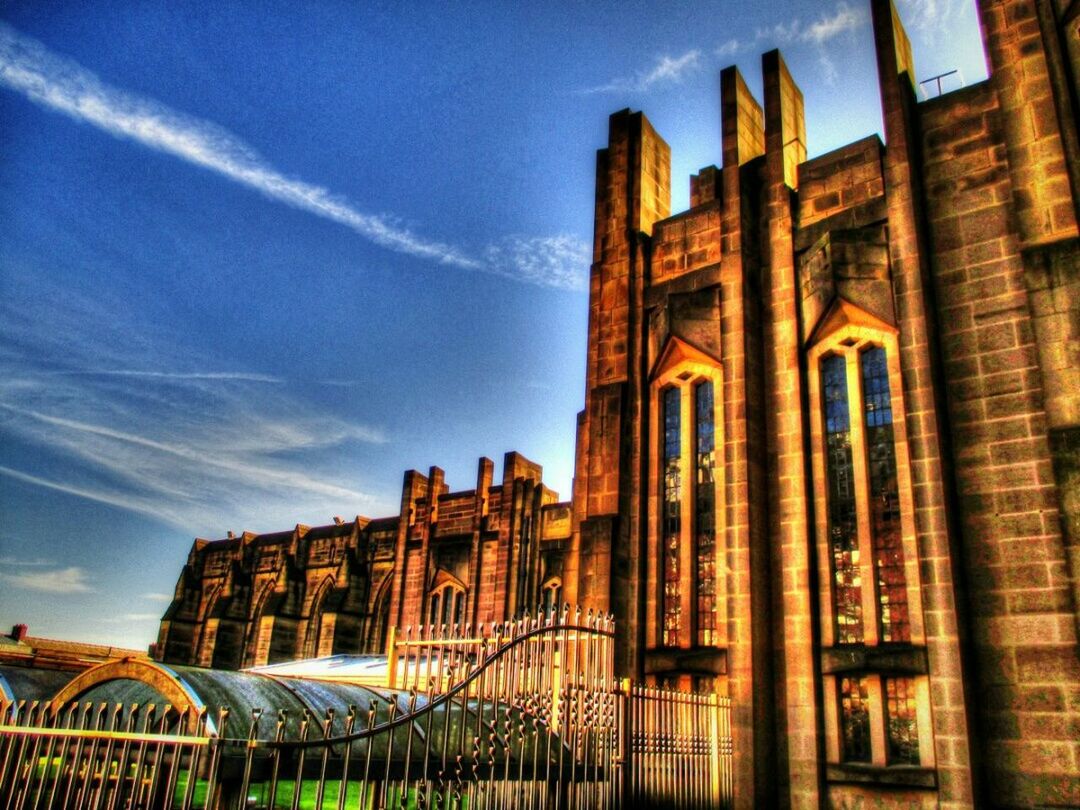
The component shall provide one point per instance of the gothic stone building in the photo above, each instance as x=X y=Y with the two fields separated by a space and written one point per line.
x=448 y=557
x=829 y=461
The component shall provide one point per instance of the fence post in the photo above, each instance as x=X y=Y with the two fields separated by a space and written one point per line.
x=714 y=734
x=391 y=657
x=625 y=691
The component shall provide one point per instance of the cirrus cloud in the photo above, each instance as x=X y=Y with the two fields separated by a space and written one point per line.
x=54 y=580
x=665 y=69
x=62 y=85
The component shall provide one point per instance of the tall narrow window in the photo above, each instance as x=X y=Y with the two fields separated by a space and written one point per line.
x=884 y=499
x=855 y=719
x=872 y=601
x=842 y=514
x=672 y=523
x=436 y=607
x=705 y=512
x=901 y=728
x=459 y=607
x=446 y=605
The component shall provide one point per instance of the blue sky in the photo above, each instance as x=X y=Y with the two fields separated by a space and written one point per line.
x=256 y=260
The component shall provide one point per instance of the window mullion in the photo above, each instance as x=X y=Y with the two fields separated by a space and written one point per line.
x=687 y=562
x=860 y=473
x=878 y=744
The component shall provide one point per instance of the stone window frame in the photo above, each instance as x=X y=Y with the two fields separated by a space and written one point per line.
x=877 y=710
x=436 y=602
x=849 y=331
x=685 y=367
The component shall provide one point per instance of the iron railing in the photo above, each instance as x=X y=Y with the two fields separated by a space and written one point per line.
x=522 y=714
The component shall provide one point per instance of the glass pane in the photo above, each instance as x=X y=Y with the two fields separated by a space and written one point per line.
x=705 y=513
x=435 y=608
x=448 y=605
x=671 y=519
x=843 y=526
x=884 y=499
x=854 y=720
x=901 y=725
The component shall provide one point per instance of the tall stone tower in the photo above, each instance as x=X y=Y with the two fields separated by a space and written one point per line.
x=828 y=462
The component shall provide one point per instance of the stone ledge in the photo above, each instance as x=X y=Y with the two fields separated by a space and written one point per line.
x=886 y=659
x=706 y=660
x=905 y=776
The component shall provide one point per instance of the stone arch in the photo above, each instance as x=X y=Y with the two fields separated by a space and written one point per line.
x=315 y=626
x=253 y=637
x=163 y=679
x=379 y=620
x=445 y=604
x=179 y=642
x=228 y=645
x=199 y=653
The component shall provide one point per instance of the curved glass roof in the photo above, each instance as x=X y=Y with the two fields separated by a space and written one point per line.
x=243 y=693
x=30 y=683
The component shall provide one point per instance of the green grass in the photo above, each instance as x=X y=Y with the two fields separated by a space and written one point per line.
x=259 y=795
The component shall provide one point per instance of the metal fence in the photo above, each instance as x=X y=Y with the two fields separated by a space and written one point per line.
x=522 y=714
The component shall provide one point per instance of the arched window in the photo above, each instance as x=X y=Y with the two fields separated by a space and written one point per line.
x=379 y=622
x=876 y=709
x=317 y=629
x=446 y=604
x=684 y=547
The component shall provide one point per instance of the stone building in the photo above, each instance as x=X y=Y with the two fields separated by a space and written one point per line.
x=829 y=461
x=448 y=557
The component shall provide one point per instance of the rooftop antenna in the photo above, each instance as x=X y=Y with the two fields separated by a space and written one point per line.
x=936 y=81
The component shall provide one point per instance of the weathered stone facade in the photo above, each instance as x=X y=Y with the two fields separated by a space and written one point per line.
x=473 y=556
x=871 y=543
x=829 y=460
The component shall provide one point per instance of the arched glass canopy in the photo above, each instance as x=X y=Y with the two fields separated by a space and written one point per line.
x=124 y=685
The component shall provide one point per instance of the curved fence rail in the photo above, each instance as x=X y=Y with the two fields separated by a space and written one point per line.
x=526 y=713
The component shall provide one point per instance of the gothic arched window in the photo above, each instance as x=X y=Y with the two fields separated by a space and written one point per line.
x=876 y=711
x=684 y=538
x=446 y=605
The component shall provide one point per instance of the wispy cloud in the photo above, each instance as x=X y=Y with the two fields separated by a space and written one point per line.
x=125 y=618
x=666 y=69
x=60 y=84
x=819 y=32
x=199 y=451
x=827 y=27
x=933 y=19
x=783 y=32
x=53 y=81
x=15 y=562
x=157 y=597
x=843 y=19
x=240 y=376
x=57 y=580
x=555 y=261
x=729 y=48
x=99 y=496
